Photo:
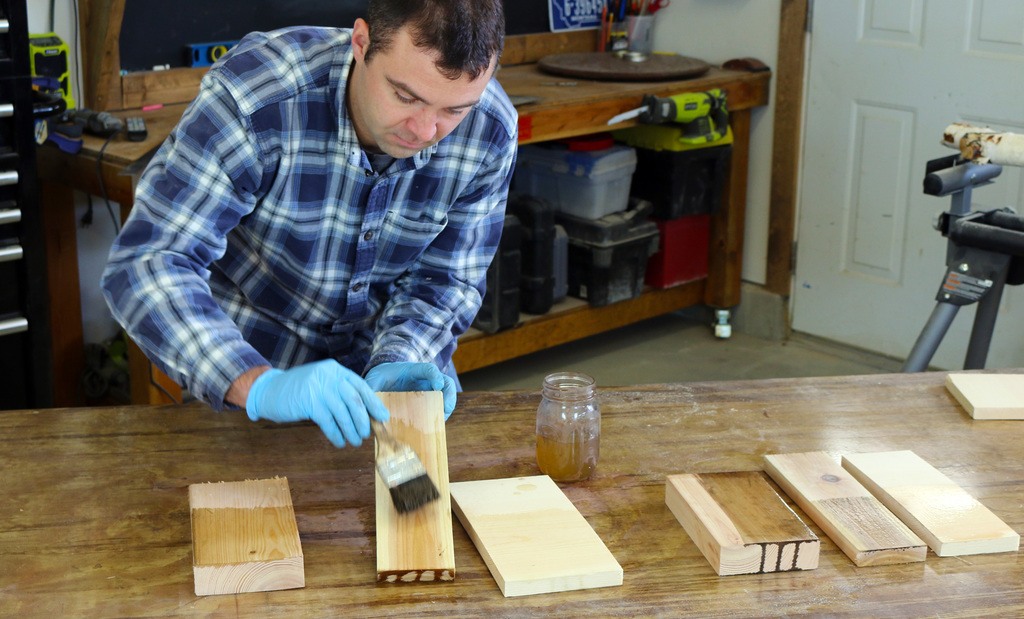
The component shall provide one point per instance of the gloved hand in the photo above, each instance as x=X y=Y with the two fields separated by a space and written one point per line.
x=409 y=376
x=325 y=392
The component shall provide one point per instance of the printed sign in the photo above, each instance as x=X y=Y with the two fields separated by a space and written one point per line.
x=574 y=14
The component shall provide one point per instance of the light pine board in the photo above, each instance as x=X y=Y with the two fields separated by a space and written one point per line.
x=948 y=519
x=740 y=524
x=989 y=396
x=851 y=516
x=417 y=546
x=244 y=537
x=532 y=537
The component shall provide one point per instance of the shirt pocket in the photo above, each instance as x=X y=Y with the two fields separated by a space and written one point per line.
x=404 y=239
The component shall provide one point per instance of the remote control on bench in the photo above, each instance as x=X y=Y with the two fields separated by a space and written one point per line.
x=136 y=128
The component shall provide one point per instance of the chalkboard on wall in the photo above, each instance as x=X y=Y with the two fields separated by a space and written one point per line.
x=156 y=32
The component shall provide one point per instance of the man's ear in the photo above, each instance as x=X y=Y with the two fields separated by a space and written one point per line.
x=360 y=38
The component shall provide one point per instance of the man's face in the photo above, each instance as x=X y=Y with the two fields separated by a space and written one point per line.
x=400 y=103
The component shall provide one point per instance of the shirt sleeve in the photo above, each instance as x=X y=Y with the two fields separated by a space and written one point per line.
x=201 y=182
x=436 y=301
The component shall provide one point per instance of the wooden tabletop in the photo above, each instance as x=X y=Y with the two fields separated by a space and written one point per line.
x=94 y=519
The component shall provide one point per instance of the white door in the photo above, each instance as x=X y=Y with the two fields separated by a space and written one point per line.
x=885 y=79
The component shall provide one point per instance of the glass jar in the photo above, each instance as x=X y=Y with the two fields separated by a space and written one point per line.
x=568 y=427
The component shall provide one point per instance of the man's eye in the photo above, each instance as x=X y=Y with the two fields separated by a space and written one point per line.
x=404 y=99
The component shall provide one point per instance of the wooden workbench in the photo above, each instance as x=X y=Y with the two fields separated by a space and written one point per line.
x=113 y=168
x=95 y=518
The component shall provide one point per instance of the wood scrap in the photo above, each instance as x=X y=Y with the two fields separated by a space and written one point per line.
x=740 y=524
x=244 y=537
x=988 y=396
x=417 y=546
x=855 y=520
x=531 y=536
x=940 y=512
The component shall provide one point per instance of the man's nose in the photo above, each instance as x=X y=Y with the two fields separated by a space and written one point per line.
x=423 y=124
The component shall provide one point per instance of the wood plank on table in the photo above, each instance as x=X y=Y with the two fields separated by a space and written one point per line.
x=740 y=524
x=531 y=536
x=943 y=514
x=851 y=516
x=244 y=537
x=988 y=396
x=416 y=546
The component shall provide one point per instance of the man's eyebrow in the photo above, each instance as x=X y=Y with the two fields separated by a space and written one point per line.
x=412 y=93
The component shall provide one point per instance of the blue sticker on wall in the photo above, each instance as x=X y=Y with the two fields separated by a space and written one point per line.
x=574 y=14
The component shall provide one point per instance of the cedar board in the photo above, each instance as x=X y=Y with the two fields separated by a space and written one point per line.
x=989 y=396
x=943 y=514
x=417 y=546
x=532 y=537
x=740 y=524
x=244 y=537
x=855 y=520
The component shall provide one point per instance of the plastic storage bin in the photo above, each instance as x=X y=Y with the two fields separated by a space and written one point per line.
x=584 y=183
x=500 y=307
x=612 y=268
x=537 y=218
x=682 y=254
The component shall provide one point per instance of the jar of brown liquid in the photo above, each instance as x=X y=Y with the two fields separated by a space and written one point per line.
x=568 y=427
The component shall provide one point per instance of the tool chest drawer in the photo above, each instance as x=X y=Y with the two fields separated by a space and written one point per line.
x=25 y=350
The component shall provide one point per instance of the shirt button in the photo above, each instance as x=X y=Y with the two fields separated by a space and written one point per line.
x=369 y=172
x=368 y=236
x=357 y=287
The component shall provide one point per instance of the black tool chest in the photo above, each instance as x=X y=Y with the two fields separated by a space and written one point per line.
x=25 y=356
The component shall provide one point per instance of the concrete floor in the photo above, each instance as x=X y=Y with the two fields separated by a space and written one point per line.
x=678 y=348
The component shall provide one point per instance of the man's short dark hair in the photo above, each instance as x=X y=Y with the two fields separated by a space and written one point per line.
x=466 y=34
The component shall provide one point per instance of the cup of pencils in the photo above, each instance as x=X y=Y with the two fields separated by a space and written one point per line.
x=629 y=24
x=640 y=33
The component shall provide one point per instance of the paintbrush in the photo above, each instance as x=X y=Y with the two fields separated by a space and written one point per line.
x=402 y=472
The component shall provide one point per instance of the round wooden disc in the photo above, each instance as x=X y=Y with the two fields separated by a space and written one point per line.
x=617 y=66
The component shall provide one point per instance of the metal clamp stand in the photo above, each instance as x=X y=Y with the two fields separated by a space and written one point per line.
x=985 y=252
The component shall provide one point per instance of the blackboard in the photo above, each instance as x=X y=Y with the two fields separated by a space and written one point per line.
x=156 y=32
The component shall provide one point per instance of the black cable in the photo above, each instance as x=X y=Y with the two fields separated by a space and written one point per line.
x=53 y=16
x=103 y=185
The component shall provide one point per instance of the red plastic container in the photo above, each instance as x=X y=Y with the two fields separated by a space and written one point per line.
x=682 y=254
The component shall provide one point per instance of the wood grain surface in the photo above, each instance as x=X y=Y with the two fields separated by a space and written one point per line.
x=988 y=396
x=942 y=513
x=851 y=516
x=417 y=546
x=244 y=537
x=532 y=537
x=95 y=517
x=740 y=523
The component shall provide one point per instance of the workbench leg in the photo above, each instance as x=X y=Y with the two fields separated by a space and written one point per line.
x=725 y=261
x=57 y=207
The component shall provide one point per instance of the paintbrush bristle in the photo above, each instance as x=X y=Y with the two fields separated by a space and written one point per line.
x=414 y=494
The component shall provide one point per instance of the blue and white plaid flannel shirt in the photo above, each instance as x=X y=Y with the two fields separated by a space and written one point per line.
x=261 y=235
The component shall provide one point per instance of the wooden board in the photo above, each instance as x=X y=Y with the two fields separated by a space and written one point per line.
x=244 y=537
x=951 y=521
x=989 y=396
x=740 y=523
x=417 y=546
x=856 y=521
x=610 y=66
x=532 y=537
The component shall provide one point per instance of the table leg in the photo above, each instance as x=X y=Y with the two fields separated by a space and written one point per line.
x=726 y=248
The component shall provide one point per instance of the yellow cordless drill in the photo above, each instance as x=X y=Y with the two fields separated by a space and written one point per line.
x=702 y=115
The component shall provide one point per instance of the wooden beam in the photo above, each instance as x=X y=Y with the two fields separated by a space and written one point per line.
x=532 y=538
x=99 y=21
x=417 y=546
x=952 y=522
x=786 y=151
x=527 y=48
x=854 y=519
x=740 y=524
x=244 y=537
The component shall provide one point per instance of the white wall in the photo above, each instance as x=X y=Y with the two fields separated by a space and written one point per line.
x=716 y=31
x=93 y=241
x=713 y=30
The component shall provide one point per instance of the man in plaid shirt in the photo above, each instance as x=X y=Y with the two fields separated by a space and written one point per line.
x=319 y=225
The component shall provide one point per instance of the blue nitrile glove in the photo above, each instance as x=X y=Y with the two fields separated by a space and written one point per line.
x=325 y=392
x=409 y=376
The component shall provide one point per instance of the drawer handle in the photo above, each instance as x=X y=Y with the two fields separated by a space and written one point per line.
x=10 y=216
x=4 y=26
x=6 y=110
x=11 y=253
x=13 y=325
x=9 y=177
